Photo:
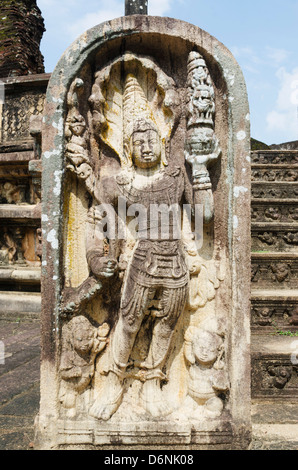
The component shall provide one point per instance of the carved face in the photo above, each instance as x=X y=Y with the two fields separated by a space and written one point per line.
x=145 y=148
x=205 y=348
x=83 y=340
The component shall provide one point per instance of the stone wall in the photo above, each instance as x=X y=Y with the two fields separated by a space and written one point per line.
x=20 y=195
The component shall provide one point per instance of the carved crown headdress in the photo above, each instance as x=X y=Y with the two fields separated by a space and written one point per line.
x=137 y=115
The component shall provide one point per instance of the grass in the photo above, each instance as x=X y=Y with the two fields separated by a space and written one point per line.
x=280 y=332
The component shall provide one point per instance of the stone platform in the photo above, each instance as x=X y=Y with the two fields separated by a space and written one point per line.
x=275 y=424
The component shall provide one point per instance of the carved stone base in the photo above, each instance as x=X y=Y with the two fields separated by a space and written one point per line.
x=92 y=433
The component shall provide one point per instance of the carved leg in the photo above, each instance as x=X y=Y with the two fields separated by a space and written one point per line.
x=132 y=314
x=109 y=401
x=131 y=318
x=173 y=302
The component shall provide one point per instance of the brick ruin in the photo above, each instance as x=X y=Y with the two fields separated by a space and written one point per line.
x=21 y=30
x=274 y=216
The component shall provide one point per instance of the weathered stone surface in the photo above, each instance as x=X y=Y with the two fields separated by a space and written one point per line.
x=136 y=7
x=285 y=146
x=274 y=237
x=20 y=184
x=275 y=437
x=13 y=302
x=24 y=98
x=274 y=423
x=174 y=100
x=275 y=413
x=274 y=248
x=19 y=383
x=274 y=309
x=271 y=270
x=274 y=158
x=274 y=367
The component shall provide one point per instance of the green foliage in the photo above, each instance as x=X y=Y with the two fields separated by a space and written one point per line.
x=280 y=332
x=257 y=145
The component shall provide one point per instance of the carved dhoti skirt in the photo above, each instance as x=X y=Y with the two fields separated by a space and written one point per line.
x=156 y=265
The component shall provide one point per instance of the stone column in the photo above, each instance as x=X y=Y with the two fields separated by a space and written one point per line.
x=136 y=7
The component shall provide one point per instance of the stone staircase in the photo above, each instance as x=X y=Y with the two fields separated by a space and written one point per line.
x=20 y=192
x=274 y=285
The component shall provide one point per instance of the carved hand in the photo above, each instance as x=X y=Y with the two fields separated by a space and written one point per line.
x=103 y=267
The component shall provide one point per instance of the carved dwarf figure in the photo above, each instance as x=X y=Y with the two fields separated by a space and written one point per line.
x=81 y=344
x=204 y=352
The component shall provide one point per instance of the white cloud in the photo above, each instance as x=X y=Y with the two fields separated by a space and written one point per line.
x=277 y=56
x=109 y=10
x=253 y=61
x=283 y=117
x=159 y=7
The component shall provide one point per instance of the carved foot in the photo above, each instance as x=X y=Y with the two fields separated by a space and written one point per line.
x=108 y=403
x=153 y=399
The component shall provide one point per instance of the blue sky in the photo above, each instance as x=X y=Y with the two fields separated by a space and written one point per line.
x=262 y=35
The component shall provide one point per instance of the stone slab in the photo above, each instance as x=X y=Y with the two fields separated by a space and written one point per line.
x=31 y=275
x=11 y=302
x=26 y=211
x=165 y=41
x=275 y=437
x=274 y=413
x=16 y=157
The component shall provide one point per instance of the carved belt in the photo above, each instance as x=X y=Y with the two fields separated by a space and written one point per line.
x=159 y=264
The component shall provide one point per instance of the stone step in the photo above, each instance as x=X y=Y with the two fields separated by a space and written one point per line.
x=274 y=157
x=19 y=303
x=20 y=275
x=274 y=425
x=274 y=190
x=283 y=173
x=274 y=210
x=272 y=271
x=274 y=237
x=274 y=368
x=274 y=437
x=21 y=156
x=274 y=309
x=20 y=212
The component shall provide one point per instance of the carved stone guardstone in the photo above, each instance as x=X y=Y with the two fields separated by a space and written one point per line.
x=145 y=319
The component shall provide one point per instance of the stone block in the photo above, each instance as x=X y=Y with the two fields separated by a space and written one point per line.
x=145 y=336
